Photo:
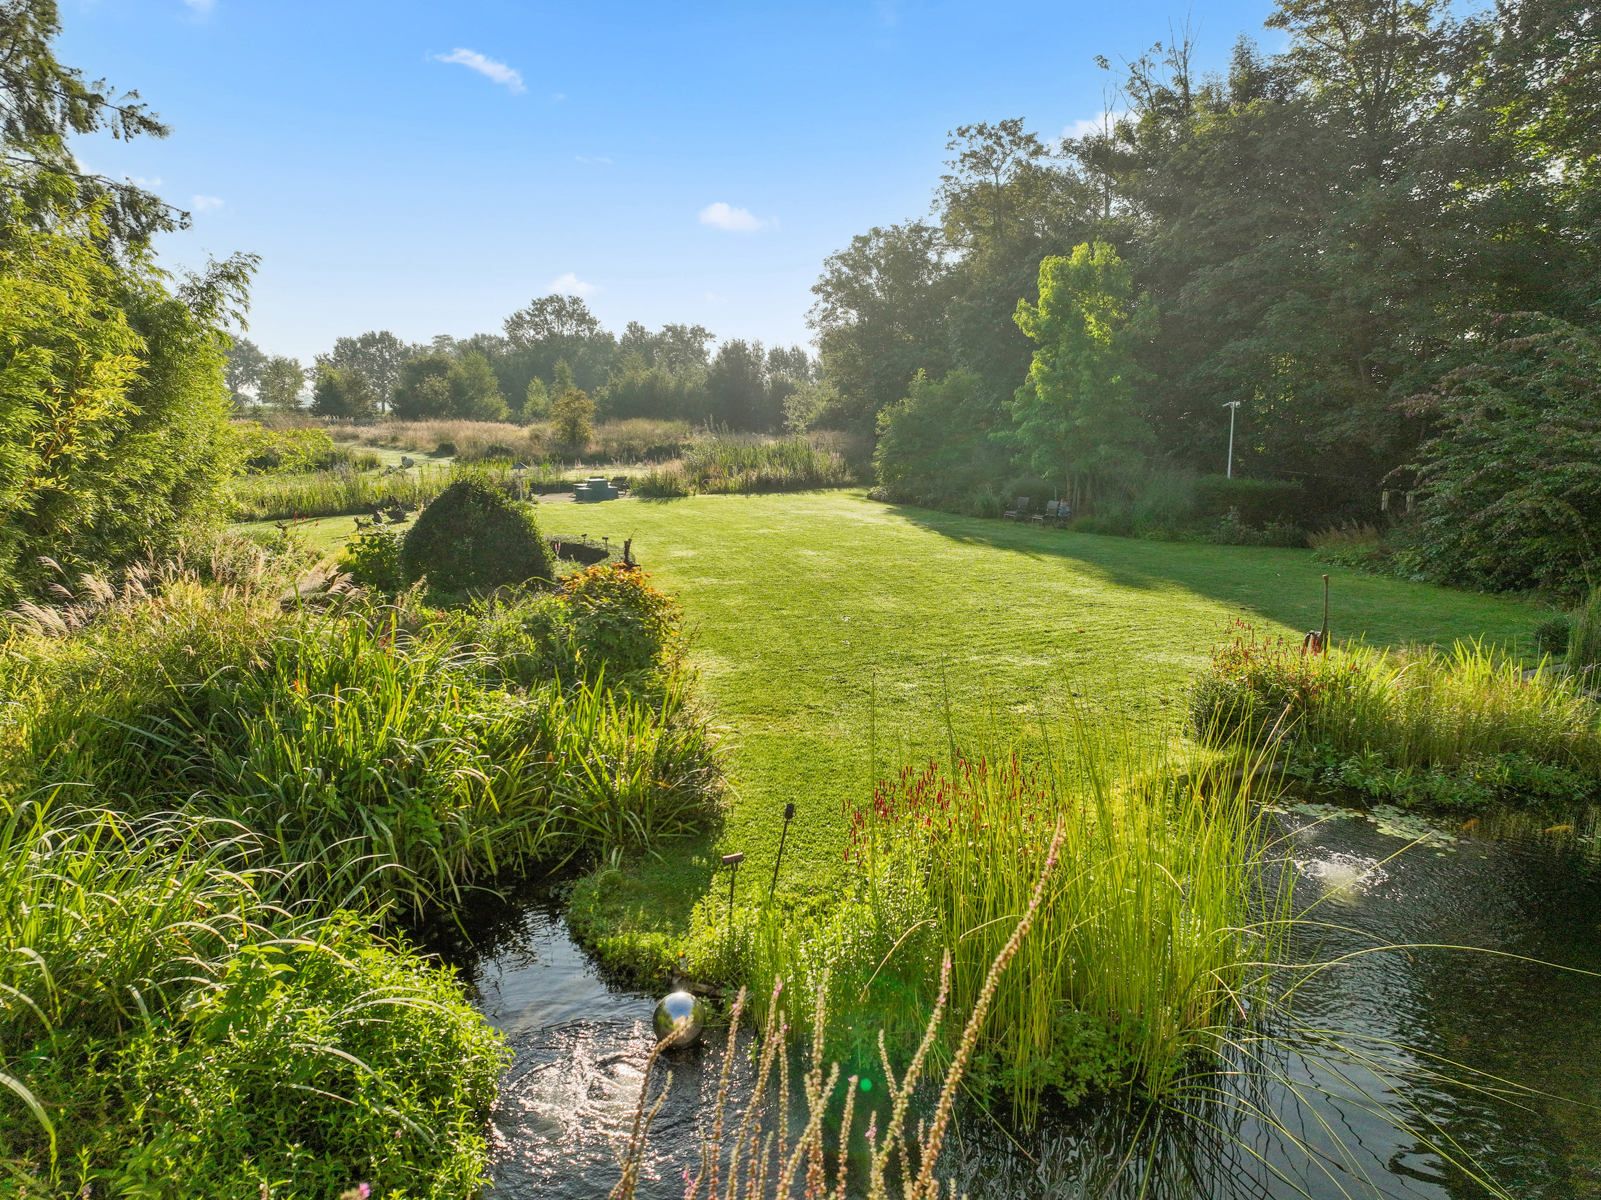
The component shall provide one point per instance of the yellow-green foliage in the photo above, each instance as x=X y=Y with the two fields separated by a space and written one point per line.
x=1455 y=727
x=67 y=360
x=167 y=1028
x=113 y=416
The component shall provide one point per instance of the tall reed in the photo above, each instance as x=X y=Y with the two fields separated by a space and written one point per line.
x=751 y=1146
x=1471 y=710
x=332 y=493
x=724 y=463
x=1584 y=643
x=1150 y=942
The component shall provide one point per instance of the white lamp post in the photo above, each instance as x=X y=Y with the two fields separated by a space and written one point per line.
x=1231 y=406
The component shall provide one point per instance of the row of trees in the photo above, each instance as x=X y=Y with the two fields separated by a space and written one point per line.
x=1333 y=236
x=552 y=347
x=113 y=419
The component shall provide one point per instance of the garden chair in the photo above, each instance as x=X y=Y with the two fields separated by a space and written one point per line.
x=1058 y=512
x=1018 y=512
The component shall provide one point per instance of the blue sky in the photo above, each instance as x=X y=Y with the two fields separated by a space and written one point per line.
x=429 y=167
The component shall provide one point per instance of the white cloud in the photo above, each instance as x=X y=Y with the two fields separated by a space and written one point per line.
x=205 y=203
x=569 y=284
x=1085 y=126
x=594 y=160
x=733 y=220
x=489 y=68
x=140 y=181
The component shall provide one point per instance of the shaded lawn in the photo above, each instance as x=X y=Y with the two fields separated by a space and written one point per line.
x=835 y=635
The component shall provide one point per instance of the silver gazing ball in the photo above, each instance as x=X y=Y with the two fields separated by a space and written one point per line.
x=679 y=1019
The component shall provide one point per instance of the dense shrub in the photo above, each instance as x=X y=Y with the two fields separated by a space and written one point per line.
x=1254 y=501
x=167 y=1029
x=373 y=559
x=935 y=446
x=1233 y=531
x=604 y=621
x=1510 y=490
x=621 y=621
x=572 y=418
x=1458 y=729
x=474 y=539
x=1551 y=635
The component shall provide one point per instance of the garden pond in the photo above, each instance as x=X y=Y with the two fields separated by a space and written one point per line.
x=1318 y=1121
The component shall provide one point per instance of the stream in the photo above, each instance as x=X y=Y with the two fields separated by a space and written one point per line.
x=1354 y=1088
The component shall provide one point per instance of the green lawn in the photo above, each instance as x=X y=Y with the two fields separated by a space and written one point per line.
x=831 y=630
x=326 y=535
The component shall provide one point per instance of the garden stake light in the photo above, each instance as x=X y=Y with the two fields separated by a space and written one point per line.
x=789 y=815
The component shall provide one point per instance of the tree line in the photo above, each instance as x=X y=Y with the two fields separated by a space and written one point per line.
x=551 y=359
x=1381 y=242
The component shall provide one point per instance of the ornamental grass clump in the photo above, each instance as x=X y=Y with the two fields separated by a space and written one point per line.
x=1148 y=939
x=1150 y=943
x=1459 y=728
x=1584 y=643
x=169 y=1027
x=381 y=750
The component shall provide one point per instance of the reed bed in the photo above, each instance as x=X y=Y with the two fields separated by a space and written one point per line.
x=334 y=493
x=1149 y=943
x=1457 y=727
x=728 y=463
x=637 y=440
x=1584 y=642
x=747 y=1150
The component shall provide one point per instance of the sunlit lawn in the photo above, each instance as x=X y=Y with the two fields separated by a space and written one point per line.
x=832 y=632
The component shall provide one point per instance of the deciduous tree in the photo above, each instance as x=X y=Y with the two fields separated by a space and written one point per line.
x=1077 y=420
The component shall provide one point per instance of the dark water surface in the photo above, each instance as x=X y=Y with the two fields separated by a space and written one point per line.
x=1315 y=1119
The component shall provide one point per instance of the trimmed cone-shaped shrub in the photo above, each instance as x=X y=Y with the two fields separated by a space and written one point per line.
x=474 y=539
